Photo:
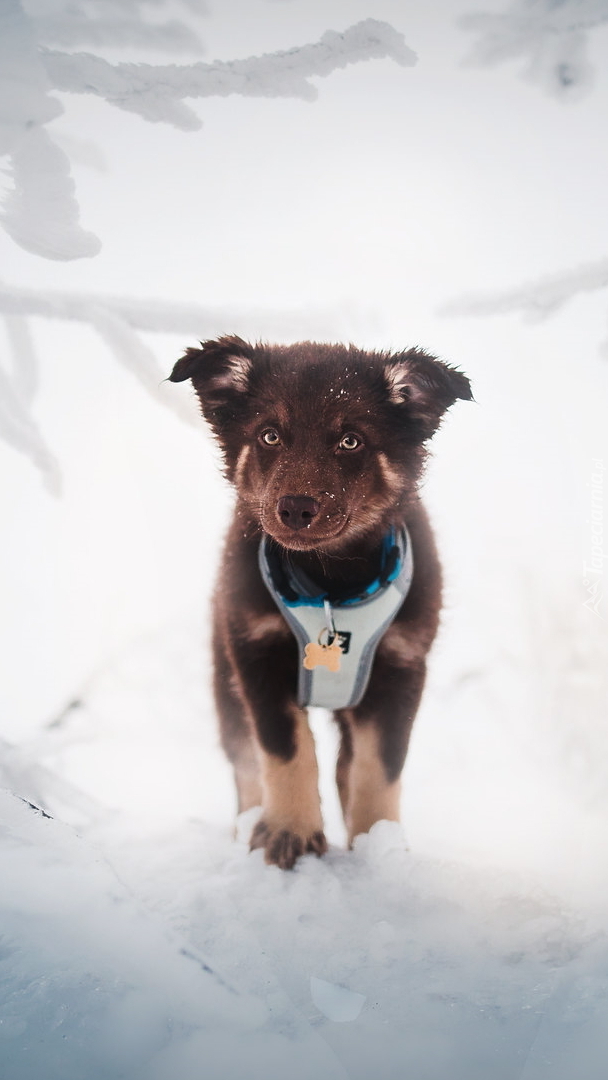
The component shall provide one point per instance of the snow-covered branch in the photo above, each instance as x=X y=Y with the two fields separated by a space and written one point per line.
x=19 y=429
x=26 y=362
x=154 y=315
x=550 y=37
x=117 y=320
x=70 y=28
x=134 y=355
x=156 y=92
x=41 y=213
x=161 y=316
x=536 y=300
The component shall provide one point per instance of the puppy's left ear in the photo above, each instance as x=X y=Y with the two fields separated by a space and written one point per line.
x=426 y=387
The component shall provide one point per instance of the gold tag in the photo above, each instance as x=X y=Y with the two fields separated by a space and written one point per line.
x=322 y=656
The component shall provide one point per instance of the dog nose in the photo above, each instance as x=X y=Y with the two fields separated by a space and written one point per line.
x=297 y=511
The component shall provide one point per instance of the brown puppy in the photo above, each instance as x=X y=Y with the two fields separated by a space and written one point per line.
x=324 y=445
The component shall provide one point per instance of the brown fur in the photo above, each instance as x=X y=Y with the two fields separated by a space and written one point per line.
x=342 y=433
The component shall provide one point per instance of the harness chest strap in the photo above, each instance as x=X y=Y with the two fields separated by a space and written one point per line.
x=347 y=633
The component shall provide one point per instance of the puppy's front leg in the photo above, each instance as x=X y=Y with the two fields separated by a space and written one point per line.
x=375 y=740
x=291 y=822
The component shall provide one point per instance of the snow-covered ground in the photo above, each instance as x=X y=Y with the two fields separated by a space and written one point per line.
x=426 y=203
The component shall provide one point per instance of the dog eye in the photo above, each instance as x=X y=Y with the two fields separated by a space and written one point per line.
x=350 y=442
x=270 y=437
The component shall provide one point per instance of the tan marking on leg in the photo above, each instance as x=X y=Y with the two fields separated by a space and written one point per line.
x=291 y=788
x=371 y=797
x=291 y=822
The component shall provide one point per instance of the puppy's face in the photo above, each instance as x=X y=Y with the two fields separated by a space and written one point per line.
x=323 y=443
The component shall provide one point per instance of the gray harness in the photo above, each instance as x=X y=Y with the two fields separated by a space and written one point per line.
x=338 y=638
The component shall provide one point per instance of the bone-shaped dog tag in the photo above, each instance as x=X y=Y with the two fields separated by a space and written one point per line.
x=322 y=656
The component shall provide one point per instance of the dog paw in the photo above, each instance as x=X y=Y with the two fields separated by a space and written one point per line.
x=282 y=847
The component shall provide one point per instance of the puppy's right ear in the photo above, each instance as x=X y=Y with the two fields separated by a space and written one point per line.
x=187 y=366
x=219 y=371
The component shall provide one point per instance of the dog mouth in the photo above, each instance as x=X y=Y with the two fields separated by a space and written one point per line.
x=306 y=538
x=303 y=541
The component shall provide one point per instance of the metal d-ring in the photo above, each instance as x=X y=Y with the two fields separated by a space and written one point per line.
x=329 y=628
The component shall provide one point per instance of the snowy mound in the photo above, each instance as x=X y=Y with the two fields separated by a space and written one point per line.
x=359 y=963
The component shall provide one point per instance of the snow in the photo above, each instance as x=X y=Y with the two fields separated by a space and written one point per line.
x=432 y=966
x=138 y=936
x=116 y=988
x=335 y=1002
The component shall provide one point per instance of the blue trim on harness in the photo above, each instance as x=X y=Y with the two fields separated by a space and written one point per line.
x=378 y=583
x=357 y=622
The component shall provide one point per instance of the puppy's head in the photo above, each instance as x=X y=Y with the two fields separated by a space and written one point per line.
x=324 y=443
